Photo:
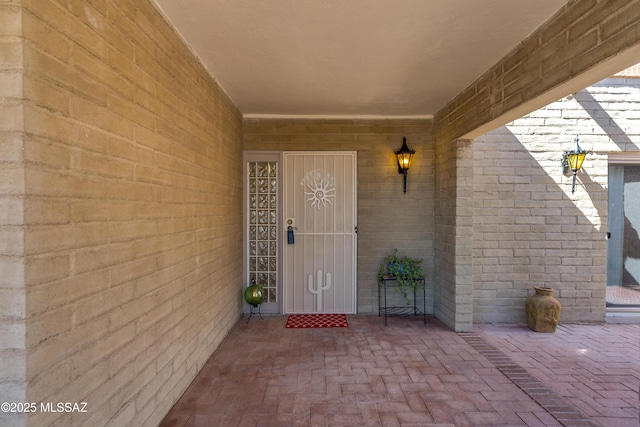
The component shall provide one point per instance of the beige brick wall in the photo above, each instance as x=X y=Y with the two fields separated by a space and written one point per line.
x=453 y=225
x=132 y=173
x=582 y=43
x=633 y=71
x=387 y=218
x=13 y=370
x=529 y=230
x=121 y=187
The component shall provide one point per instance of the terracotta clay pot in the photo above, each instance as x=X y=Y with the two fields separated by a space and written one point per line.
x=543 y=310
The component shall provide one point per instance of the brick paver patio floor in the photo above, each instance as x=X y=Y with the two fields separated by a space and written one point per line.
x=409 y=374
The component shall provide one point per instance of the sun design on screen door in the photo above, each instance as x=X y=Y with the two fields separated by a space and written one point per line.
x=319 y=189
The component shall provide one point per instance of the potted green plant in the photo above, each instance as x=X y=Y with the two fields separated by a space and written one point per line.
x=406 y=271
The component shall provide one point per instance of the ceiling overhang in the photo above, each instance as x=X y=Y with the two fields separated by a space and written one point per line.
x=351 y=58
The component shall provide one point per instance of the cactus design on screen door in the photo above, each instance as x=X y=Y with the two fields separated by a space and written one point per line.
x=319 y=288
x=319 y=190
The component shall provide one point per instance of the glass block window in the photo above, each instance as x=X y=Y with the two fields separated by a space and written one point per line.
x=263 y=232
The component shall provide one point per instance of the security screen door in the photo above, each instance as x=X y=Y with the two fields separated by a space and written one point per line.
x=319 y=212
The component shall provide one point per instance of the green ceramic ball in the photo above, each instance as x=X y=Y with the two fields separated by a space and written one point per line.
x=254 y=295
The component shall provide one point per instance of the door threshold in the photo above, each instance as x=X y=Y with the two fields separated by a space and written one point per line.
x=628 y=315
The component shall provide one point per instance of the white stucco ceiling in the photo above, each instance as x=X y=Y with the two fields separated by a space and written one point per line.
x=351 y=58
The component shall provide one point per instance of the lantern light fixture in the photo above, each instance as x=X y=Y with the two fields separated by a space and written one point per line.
x=573 y=160
x=404 y=156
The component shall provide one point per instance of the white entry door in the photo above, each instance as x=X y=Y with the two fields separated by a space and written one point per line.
x=319 y=210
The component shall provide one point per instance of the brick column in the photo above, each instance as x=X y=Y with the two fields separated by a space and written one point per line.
x=453 y=299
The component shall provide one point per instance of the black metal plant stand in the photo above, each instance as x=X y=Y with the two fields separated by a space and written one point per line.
x=251 y=312
x=387 y=310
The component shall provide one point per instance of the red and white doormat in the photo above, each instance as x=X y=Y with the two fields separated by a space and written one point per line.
x=317 y=321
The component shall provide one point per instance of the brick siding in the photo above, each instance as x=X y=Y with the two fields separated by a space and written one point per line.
x=387 y=217
x=584 y=42
x=633 y=71
x=453 y=243
x=13 y=369
x=529 y=230
x=121 y=188
x=122 y=165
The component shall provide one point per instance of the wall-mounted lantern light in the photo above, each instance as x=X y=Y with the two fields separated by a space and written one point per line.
x=404 y=156
x=573 y=160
